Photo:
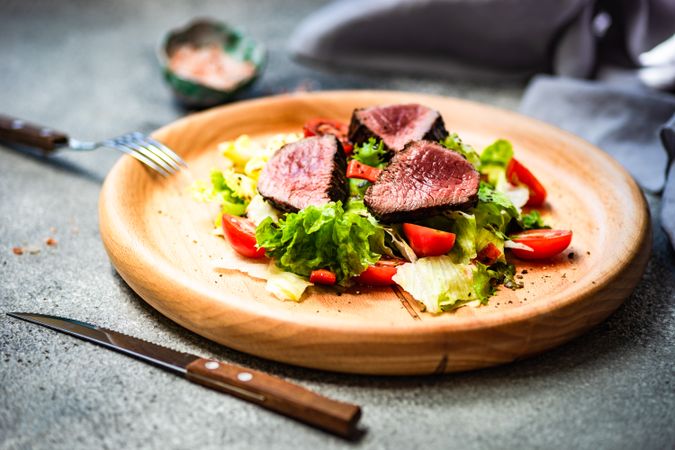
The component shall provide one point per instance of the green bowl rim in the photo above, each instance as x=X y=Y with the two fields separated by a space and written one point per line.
x=212 y=95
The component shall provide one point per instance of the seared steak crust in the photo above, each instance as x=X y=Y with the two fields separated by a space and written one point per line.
x=422 y=180
x=307 y=172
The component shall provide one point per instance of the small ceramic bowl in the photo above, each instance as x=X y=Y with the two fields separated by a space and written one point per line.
x=206 y=33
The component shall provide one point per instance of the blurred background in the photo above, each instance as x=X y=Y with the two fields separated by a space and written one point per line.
x=62 y=61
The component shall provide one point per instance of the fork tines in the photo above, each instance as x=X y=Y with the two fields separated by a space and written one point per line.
x=149 y=151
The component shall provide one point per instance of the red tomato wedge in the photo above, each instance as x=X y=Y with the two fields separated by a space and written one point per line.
x=544 y=243
x=380 y=273
x=519 y=174
x=489 y=254
x=240 y=232
x=319 y=127
x=356 y=169
x=322 y=276
x=428 y=241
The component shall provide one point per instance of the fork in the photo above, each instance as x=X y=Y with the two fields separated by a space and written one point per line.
x=145 y=149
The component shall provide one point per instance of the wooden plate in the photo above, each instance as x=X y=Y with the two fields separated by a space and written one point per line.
x=159 y=240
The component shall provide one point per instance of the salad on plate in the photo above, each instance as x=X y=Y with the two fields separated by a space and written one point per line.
x=392 y=198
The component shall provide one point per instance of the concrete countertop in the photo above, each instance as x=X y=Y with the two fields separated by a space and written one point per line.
x=88 y=67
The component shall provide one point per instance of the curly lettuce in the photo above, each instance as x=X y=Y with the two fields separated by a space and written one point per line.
x=453 y=142
x=322 y=237
x=532 y=221
x=371 y=153
x=494 y=209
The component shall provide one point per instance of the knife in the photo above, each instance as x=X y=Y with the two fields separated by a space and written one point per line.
x=256 y=387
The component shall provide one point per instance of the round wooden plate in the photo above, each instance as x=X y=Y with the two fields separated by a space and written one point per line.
x=160 y=241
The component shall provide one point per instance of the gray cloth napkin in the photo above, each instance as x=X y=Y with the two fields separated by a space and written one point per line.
x=483 y=38
x=668 y=199
x=635 y=126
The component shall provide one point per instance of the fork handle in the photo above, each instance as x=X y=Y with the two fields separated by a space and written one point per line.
x=19 y=131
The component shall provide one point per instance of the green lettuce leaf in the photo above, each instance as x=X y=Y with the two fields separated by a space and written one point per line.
x=494 y=210
x=442 y=285
x=357 y=187
x=499 y=153
x=322 y=237
x=464 y=227
x=484 y=281
x=453 y=142
x=494 y=159
x=371 y=153
x=286 y=285
x=532 y=221
x=505 y=274
x=233 y=191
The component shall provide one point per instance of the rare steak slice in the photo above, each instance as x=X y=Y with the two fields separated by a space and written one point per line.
x=307 y=172
x=396 y=125
x=423 y=179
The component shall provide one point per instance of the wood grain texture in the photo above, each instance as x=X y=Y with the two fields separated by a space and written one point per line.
x=277 y=395
x=159 y=240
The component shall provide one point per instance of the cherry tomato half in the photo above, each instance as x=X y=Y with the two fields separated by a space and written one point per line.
x=320 y=127
x=519 y=174
x=240 y=232
x=356 y=169
x=544 y=243
x=380 y=273
x=427 y=241
x=322 y=276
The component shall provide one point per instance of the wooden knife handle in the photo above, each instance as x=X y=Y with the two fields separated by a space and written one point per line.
x=21 y=132
x=278 y=395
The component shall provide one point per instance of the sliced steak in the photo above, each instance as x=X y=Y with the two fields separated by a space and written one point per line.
x=396 y=125
x=423 y=179
x=307 y=172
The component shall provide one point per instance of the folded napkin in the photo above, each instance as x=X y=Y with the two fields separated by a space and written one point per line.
x=484 y=38
x=635 y=126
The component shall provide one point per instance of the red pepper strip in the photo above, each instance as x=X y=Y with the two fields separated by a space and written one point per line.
x=322 y=276
x=356 y=169
x=489 y=254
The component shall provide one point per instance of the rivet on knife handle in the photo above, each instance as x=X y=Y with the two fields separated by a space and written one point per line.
x=22 y=132
x=278 y=395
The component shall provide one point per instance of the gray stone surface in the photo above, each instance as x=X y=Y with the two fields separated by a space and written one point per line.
x=88 y=67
